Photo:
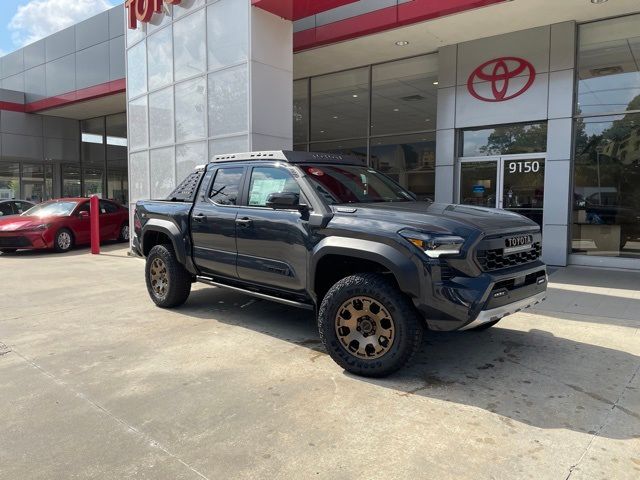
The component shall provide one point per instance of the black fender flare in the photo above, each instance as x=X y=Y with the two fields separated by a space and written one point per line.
x=405 y=271
x=172 y=231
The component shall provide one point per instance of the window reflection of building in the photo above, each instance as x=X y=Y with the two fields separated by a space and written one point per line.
x=606 y=198
x=103 y=162
x=394 y=130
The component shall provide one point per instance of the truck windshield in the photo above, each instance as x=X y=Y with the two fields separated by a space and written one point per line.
x=353 y=184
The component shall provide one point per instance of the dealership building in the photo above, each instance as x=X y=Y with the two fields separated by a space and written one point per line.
x=527 y=105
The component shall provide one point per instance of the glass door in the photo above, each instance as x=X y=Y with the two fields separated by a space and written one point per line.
x=510 y=182
x=479 y=182
x=523 y=186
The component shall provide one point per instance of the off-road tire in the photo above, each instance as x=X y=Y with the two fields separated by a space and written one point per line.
x=483 y=327
x=63 y=241
x=162 y=262
x=408 y=325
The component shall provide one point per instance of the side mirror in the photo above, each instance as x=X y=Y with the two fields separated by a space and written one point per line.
x=83 y=214
x=284 y=201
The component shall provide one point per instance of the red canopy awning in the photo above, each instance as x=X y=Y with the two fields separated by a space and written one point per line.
x=297 y=9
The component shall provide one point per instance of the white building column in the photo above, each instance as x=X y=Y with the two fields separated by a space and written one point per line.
x=558 y=173
x=271 y=85
x=445 y=134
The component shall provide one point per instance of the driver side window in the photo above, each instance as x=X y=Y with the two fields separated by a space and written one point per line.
x=85 y=207
x=268 y=180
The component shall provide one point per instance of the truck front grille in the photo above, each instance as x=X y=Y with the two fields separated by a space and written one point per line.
x=490 y=260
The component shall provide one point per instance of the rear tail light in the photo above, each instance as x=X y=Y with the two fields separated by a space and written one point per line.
x=136 y=221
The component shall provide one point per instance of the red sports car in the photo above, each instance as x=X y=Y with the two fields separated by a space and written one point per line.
x=61 y=224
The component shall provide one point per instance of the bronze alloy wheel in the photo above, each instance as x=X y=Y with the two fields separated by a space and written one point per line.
x=159 y=277
x=364 y=327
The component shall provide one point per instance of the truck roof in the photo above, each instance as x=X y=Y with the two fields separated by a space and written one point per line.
x=291 y=157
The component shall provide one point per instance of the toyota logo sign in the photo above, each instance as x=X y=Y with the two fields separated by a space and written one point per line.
x=508 y=77
x=143 y=10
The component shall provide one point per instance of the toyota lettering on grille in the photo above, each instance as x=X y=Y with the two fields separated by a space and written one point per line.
x=518 y=243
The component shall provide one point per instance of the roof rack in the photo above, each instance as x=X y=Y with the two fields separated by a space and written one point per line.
x=291 y=157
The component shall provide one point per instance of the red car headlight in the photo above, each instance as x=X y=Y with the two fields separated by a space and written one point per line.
x=36 y=228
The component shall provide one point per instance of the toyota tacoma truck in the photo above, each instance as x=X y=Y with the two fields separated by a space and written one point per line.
x=329 y=234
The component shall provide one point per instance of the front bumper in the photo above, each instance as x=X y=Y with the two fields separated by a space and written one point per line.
x=24 y=239
x=486 y=316
x=461 y=303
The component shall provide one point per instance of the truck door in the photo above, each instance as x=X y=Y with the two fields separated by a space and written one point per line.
x=272 y=244
x=213 y=223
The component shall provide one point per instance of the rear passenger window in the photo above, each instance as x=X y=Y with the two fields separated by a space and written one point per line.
x=5 y=209
x=226 y=186
x=107 y=207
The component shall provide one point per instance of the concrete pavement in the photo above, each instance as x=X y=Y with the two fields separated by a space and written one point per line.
x=96 y=382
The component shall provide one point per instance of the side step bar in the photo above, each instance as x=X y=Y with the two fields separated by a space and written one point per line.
x=264 y=296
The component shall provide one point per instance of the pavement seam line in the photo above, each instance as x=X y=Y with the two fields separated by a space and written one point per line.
x=99 y=407
x=604 y=423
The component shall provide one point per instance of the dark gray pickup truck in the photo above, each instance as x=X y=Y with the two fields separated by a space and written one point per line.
x=327 y=233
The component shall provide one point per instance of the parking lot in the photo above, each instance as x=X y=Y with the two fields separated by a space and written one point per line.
x=96 y=382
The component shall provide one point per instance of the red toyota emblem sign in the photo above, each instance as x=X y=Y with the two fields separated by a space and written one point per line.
x=143 y=10
x=508 y=77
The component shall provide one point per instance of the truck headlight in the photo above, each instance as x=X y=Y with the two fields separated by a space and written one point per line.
x=434 y=246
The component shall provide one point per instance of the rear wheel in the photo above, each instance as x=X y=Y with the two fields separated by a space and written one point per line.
x=168 y=282
x=63 y=241
x=123 y=236
x=368 y=326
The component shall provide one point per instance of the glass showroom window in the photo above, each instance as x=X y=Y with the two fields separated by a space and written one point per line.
x=404 y=95
x=340 y=105
x=410 y=160
x=301 y=113
x=71 y=184
x=384 y=113
x=36 y=182
x=93 y=155
x=606 y=198
x=117 y=179
x=515 y=138
x=9 y=181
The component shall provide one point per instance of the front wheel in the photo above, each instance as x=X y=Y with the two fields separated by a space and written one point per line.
x=368 y=326
x=63 y=241
x=168 y=282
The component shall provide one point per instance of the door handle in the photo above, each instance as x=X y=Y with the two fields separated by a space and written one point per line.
x=244 y=222
x=200 y=217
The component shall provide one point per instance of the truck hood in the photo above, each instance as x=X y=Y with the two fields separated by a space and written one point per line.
x=460 y=219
